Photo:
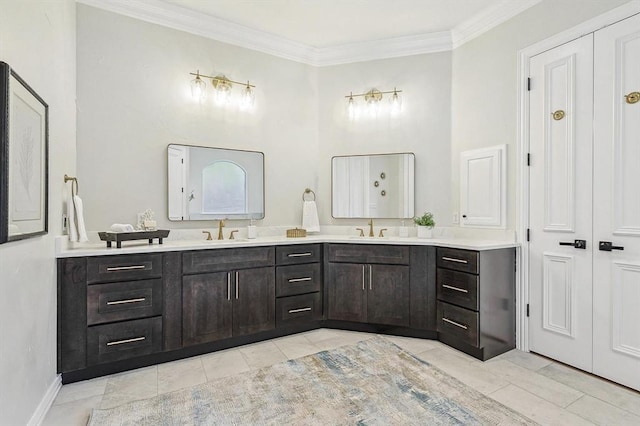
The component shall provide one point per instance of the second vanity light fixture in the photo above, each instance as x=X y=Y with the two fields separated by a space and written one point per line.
x=222 y=89
x=373 y=99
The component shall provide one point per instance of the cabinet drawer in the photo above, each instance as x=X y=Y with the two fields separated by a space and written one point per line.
x=296 y=309
x=458 y=322
x=217 y=260
x=361 y=253
x=123 y=340
x=458 y=288
x=290 y=255
x=298 y=279
x=456 y=259
x=123 y=268
x=124 y=300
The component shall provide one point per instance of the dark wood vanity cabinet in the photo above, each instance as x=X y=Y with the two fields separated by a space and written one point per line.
x=298 y=284
x=227 y=293
x=112 y=308
x=368 y=283
x=476 y=300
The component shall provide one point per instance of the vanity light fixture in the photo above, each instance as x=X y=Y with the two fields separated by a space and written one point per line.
x=222 y=89
x=373 y=99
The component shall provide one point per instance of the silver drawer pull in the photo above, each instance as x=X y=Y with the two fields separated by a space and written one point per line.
x=451 y=259
x=121 y=342
x=124 y=268
x=297 y=280
x=461 y=290
x=122 y=302
x=295 y=311
x=299 y=254
x=457 y=324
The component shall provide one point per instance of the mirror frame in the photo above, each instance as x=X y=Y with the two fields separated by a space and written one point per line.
x=373 y=155
x=248 y=216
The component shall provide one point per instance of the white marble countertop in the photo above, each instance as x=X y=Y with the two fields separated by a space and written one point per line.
x=94 y=248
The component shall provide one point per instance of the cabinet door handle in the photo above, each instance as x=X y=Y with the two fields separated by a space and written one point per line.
x=362 y=277
x=124 y=268
x=457 y=324
x=121 y=342
x=299 y=254
x=297 y=280
x=237 y=285
x=370 y=273
x=451 y=259
x=122 y=302
x=461 y=290
x=228 y=285
x=295 y=311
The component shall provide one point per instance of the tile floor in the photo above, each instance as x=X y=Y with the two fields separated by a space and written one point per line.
x=545 y=391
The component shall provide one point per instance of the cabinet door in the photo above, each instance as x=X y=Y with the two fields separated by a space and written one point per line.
x=254 y=303
x=206 y=307
x=388 y=295
x=346 y=289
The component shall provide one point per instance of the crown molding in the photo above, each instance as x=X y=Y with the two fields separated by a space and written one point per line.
x=488 y=19
x=183 y=19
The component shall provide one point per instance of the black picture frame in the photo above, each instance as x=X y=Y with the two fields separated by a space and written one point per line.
x=24 y=159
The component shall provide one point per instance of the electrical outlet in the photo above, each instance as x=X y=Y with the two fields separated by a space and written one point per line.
x=65 y=224
x=455 y=218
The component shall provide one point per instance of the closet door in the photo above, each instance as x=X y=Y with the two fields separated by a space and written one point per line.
x=560 y=279
x=616 y=191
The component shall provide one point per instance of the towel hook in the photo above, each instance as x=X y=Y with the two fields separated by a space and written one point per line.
x=308 y=191
x=73 y=180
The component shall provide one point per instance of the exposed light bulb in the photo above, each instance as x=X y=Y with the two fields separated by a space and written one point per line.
x=372 y=106
x=198 y=87
x=351 y=107
x=396 y=102
x=222 y=86
x=248 y=97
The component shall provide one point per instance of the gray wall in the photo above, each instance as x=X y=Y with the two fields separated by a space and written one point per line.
x=38 y=40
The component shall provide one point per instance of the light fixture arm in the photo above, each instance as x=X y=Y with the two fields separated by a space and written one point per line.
x=217 y=77
x=353 y=95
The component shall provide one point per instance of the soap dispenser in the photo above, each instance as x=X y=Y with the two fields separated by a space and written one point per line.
x=403 y=231
x=252 y=230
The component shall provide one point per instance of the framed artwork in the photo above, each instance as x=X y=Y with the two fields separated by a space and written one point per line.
x=24 y=146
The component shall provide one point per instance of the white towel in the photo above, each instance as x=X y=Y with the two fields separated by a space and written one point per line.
x=122 y=227
x=77 y=231
x=310 y=220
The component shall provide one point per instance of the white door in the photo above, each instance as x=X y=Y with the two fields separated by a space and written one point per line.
x=560 y=277
x=616 y=192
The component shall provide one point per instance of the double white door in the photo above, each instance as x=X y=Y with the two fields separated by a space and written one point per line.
x=584 y=214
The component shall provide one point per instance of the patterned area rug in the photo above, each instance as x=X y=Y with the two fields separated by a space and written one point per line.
x=371 y=383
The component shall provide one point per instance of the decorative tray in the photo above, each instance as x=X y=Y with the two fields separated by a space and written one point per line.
x=119 y=237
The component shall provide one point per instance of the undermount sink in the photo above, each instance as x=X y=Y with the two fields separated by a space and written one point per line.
x=357 y=237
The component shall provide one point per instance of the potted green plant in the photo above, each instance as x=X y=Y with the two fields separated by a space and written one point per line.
x=425 y=225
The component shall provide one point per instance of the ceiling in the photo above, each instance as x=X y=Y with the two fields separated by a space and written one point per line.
x=327 y=32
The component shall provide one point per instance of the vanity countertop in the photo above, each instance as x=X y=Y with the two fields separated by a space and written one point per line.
x=63 y=249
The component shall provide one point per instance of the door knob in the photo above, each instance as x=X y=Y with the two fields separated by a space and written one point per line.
x=608 y=246
x=579 y=244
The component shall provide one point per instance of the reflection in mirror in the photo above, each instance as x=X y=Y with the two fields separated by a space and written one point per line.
x=214 y=183
x=373 y=186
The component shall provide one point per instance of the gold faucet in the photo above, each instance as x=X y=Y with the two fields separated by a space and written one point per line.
x=361 y=231
x=371 y=228
x=232 y=234
x=220 y=234
x=381 y=234
x=208 y=235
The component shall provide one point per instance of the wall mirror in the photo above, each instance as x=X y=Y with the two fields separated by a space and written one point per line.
x=373 y=186
x=214 y=183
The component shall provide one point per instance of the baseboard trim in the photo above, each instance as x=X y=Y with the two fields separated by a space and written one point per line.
x=47 y=401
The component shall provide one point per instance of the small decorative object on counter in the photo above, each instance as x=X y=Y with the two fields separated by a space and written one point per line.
x=119 y=237
x=425 y=225
x=146 y=221
x=252 y=231
x=296 y=233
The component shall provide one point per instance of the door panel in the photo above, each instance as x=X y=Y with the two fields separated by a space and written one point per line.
x=254 y=303
x=388 y=295
x=560 y=277
x=616 y=273
x=346 y=292
x=206 y=308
